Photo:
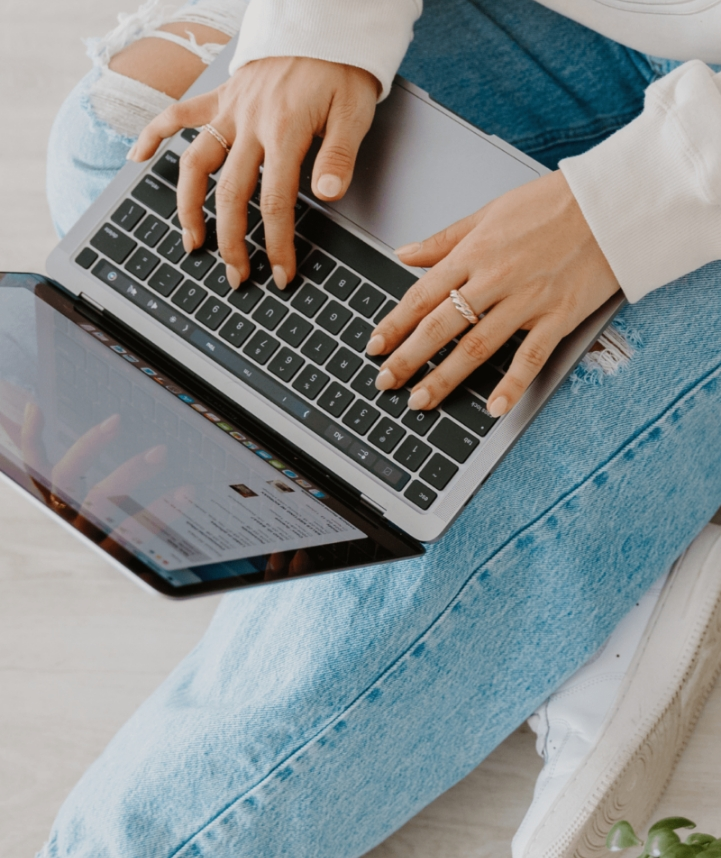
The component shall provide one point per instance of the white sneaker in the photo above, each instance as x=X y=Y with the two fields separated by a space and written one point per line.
x=612 y=734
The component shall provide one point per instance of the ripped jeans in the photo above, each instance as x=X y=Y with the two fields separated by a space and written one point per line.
x=315 y=717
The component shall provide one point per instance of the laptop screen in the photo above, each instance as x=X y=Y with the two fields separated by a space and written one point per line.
x=167 y=483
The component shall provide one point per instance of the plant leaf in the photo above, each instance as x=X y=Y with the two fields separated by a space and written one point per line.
x=622 y=836
x=698 y=838
x=680 y=850
x=671 y=822
x=661 y=841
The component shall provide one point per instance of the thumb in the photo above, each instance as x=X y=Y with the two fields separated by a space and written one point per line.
x=345 y=129
x=430 y=251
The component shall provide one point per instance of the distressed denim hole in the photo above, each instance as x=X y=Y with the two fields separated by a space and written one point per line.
x=610 y=354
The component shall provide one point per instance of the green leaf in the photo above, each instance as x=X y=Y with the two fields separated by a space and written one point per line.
x=712 y=851
x=698 y=838
x=661 y=841
x=672 y=823
x=622 y=836
x=680 y=850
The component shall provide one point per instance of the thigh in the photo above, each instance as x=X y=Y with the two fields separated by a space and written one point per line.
x=317 y=716
x=516 y=69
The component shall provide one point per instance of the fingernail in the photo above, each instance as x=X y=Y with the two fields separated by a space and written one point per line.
x=188 y=240
x=408 y=249
x=329 y=185
x=110 y=424
x=498 y=407
x=280 y=277
x=385 y=380
x=156 y=455
x=233 y=276
x=376 y=345
x=419 y=399
x=131 y=152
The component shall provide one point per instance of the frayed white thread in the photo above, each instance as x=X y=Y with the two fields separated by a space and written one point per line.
x=125 y=104
x=223 y=15
x=131 y=27
x=206 y=53
x=611 y=352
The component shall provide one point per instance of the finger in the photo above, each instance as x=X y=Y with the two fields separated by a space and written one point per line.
x=479 y=343
x=430 y=251
x=204 y=156
x=528 y=361
x=235 y=188
x=184 y=114
x=281 y=177
x=347 y=124
x=83 y=452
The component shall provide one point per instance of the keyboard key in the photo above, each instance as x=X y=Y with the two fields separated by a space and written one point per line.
x=294 y=330
x=255 y=197
x=420 y=495
x=395 y=477
x=286 y=364
x=357 y=334
x=168 y=167
x=290 y=289
x=356 y=254
x=367 y=300
x=362 y=453
x=165 y=280
x=189 y=296
x=317 y=267
x=342 y=283
x=128 y=214
x=443 y=352
x=151 y=230
x=156 y=196
x=189 y=134
x=172 y=247
x=412 y=453
x=141 y=263
x=365 y=382
x=335 y=399
x=253 y=221
x=210 y=203
x=217 y=281
x=343 y=364
x=237 y=330
x=245 y=297
x=113 y=243
x=270 y=313
x=198 y=263
x=334 y=317
x=393 y=402
x=439 y=471
x=468 y=410
x=86 y=257
x=213 y=313
x=260 y=270
x=387 y=435
x=319 y=347
x=302 y=249
x=453 y=440
x=310 y=382
x=384 y=311
x=210 y=242
x=261 y=347
x=360 y=417
x=421 y=421
x=300 y=209
x=309 y=300
x=503 y=357
x=483 y=380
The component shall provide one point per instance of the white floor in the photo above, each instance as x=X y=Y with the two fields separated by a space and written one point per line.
x=80 y=647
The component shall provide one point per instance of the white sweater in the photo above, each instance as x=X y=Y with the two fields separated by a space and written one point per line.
x=651 y=192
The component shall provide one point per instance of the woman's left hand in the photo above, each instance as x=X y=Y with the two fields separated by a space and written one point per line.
x=527 y=260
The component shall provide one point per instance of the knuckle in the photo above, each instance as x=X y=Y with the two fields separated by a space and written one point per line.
x=434 y=329
x=274 y=204
x=475 y=347
x=190 y=160
x=227 y=192
x=337 y=158
x=534 y=355
x=417 y=300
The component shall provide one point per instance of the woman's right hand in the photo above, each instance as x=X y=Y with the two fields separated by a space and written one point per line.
x=269 y=111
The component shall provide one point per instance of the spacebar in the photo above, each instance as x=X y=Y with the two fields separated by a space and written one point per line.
x=309 y=415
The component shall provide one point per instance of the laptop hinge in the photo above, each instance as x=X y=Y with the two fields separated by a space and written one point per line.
x=93 y=303
x=376 y=507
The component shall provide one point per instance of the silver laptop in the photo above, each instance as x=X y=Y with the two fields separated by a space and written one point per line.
x=276 y=384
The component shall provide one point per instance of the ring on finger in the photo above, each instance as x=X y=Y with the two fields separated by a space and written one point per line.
x=463 y=307
x=218 y=136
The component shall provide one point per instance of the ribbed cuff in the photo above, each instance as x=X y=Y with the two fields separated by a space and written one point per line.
x=369 y=34
x=651 y=192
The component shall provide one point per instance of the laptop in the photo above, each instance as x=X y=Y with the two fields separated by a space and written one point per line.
x=205 y=439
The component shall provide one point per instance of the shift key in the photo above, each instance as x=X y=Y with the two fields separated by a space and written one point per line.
x=156 y=195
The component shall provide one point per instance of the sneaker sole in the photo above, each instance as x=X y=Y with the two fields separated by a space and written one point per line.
x=658 y=705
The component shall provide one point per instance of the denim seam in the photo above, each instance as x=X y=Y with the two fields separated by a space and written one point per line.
x=587 y=131
x=590 y=481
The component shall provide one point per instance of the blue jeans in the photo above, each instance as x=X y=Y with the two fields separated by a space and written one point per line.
x=315 y=717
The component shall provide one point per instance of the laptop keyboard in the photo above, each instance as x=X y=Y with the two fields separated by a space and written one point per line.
x=302 y=348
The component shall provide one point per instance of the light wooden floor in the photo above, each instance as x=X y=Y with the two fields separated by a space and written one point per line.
x=80 y=647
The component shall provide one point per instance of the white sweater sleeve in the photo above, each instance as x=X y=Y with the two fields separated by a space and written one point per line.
x=371 y=34
x=651 y=192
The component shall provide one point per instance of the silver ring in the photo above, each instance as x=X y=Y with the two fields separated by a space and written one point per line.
x=218 y=136
x=463 y=307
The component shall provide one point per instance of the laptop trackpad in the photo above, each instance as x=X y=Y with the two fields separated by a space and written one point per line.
x=419 y=170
